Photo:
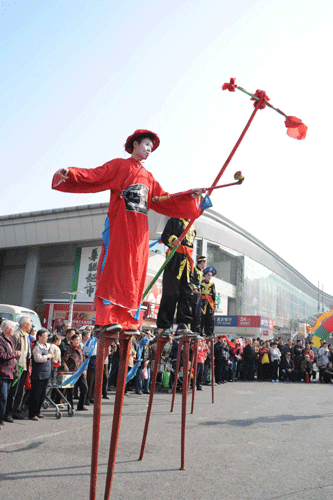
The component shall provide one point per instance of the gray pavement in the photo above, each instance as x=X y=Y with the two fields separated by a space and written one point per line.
x=257 y=441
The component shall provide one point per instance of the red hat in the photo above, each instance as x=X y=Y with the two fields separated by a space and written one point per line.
x=141 y=133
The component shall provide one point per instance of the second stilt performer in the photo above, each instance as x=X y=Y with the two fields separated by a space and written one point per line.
x=177 y=278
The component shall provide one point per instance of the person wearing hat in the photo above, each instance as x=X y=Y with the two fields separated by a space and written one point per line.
x=126 y=237
x=177 y=278
x=198 y=272
x=197 y=280
x=208 y=295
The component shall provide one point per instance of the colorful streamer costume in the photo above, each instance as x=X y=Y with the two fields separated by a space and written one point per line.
x=177 y=278
x=122 y=268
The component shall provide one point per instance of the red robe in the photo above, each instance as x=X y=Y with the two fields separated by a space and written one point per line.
x=132 y=188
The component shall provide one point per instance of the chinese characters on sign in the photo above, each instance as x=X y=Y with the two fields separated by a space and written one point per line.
x=91 y=274
x=88 y=272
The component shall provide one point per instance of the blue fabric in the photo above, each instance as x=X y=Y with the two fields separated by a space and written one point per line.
x=75 y=377
x=206 y=202
x=106 y=239
x=131 y=374
x=154 y=243
x=137 y=314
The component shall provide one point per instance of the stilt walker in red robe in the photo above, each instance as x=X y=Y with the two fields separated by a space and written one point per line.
x=124 y=254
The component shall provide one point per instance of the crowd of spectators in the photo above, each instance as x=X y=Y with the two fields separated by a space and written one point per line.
x=31 y=361
x=275 y=361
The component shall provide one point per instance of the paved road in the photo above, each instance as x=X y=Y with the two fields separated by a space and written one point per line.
x=257 y=441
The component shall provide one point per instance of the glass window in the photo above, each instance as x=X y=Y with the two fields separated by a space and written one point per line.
x=267 y=294
x=225 y=262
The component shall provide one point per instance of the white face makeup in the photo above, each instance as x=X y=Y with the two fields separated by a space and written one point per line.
x=142 y=151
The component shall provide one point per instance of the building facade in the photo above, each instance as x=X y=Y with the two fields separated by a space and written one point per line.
x=45 y=255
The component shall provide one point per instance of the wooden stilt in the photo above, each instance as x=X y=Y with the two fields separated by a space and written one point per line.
x=160 y=345
x=212 y=364
x=186 y=348
x=176 y=374
x=195 y=368
x=102 y=351
x=125 y=344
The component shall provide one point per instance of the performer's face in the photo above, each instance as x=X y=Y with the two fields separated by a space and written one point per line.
x=208 y=277
x=142 y=150
x=202 y=264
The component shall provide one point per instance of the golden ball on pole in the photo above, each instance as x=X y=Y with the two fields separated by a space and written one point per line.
x=238 y=176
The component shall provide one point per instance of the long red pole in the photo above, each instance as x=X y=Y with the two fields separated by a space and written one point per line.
x=226 y=163
x=190 y=224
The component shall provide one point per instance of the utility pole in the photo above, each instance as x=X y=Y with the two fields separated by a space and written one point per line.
x=71 y=303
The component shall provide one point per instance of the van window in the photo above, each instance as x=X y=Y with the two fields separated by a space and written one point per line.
x=7 y=316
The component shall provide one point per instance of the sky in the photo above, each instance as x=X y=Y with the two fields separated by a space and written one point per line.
x=78 y=77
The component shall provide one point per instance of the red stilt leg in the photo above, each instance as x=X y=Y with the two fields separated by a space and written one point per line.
x=176 y=374
x=125 y=344
x=186 y=344
x=160 y=345
x=102 y=350
x=195 y=368
x=212 y=364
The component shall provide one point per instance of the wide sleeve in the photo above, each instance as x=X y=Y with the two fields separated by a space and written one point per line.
x=182 y=207
x=87 y=180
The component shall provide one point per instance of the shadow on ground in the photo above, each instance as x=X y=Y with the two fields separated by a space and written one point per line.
x=265 y=420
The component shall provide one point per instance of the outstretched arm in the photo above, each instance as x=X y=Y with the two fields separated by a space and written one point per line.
x=85 y=180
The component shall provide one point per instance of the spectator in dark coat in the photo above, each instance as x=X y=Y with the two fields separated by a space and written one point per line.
x=66 y=342
x=287 y=368
x=71 y=362
x=328 y=373
x=248 y=361
x=281 y=346
x=290 y=348
x=218 y=360
x=298 y=355
x=307 y=368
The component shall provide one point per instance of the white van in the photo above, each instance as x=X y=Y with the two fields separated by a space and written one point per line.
x=14 y=312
